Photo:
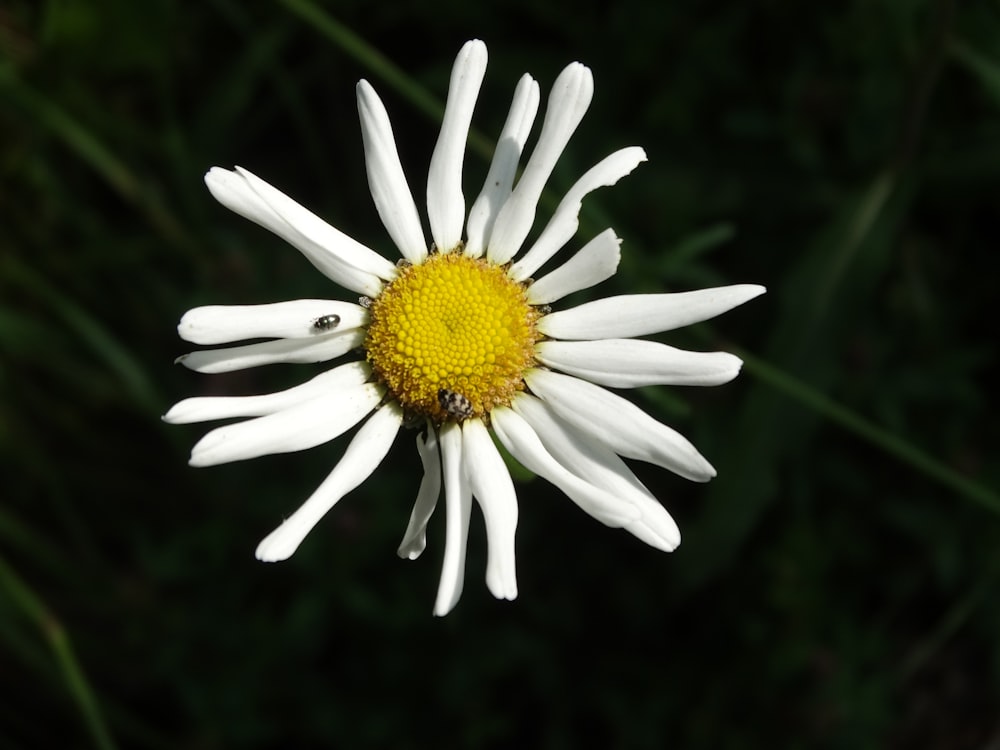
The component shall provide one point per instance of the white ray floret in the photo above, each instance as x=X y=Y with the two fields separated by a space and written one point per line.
x=314 y=229
x=223 y=324
x=568 y=102
x=602 y=468
x=445 y=200
x=458 y=509
x=315 y=349
x=207 y=408
x=595 y=262
x=388 y=185
x=492 y=487
x=365 y=452
x=342 y=259
x=524 y=445
x=633 y=363
x=296 y=428
x=642 y=314
x=500 y=178
x=415 y=538
x=566 y=219
x=618 y=424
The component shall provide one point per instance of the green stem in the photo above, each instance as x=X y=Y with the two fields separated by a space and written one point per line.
x=381 y=66
x=52 y=630
x=887 y=441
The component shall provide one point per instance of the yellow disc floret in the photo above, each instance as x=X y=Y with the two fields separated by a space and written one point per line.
x=452 y=331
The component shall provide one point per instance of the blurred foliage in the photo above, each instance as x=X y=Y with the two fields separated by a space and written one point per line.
x=838 y=583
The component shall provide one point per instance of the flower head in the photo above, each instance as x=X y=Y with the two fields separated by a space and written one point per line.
x=458 y=340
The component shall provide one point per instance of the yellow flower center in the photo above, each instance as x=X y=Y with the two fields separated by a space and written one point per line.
x=451 y=338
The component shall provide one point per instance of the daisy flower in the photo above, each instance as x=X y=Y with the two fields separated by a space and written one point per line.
x=458 y=340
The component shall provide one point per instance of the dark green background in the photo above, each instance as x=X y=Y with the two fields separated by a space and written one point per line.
x=838 y=582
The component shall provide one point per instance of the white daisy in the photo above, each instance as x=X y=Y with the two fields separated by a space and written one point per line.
x=458 y=340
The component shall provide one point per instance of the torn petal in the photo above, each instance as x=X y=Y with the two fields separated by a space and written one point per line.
x=415 y=538
x=568 y=102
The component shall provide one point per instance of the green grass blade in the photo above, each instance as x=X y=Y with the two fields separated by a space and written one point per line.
x=49 y=116
x=58 y=639
x=886 y=441
x=101 y=341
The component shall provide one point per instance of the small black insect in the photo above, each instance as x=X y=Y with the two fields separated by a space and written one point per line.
x=455 y=404
x=325 y=323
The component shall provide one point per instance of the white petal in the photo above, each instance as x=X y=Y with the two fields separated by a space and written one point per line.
x=632 y=363
x=458 y=508
x=297 y=428
x=595 y=262
x=641 y=314
x=618 y=424
x=520 y=439
x=386 y=179
x=205 y=408
x=317 y=349
x=337 y=256
x=566 y=219
x=313 y=228
x=220 y=324
x=415 y=538
x=365 y=452
x=503 y=167
x=602 y=468
x=493 y=488
x=568 y=102
x=445 y=201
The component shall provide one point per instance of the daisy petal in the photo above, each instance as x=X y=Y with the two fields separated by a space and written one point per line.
x=386 y=180
x=503 y=167
x=493 y=488
x=221 y=324
x=415 y=538
x=566 y=219
x=520 y=439
x=317 y=349
x=592 y=264
x=313 y=228
x=603 y=469
x=641 y=314
x=206 y=408
x=365 y=452
x=445 y=201
x=618 y=424
x=458 y=508
x=347 y=262
x=568 y=102
x=296 y=428
x=632 y=363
